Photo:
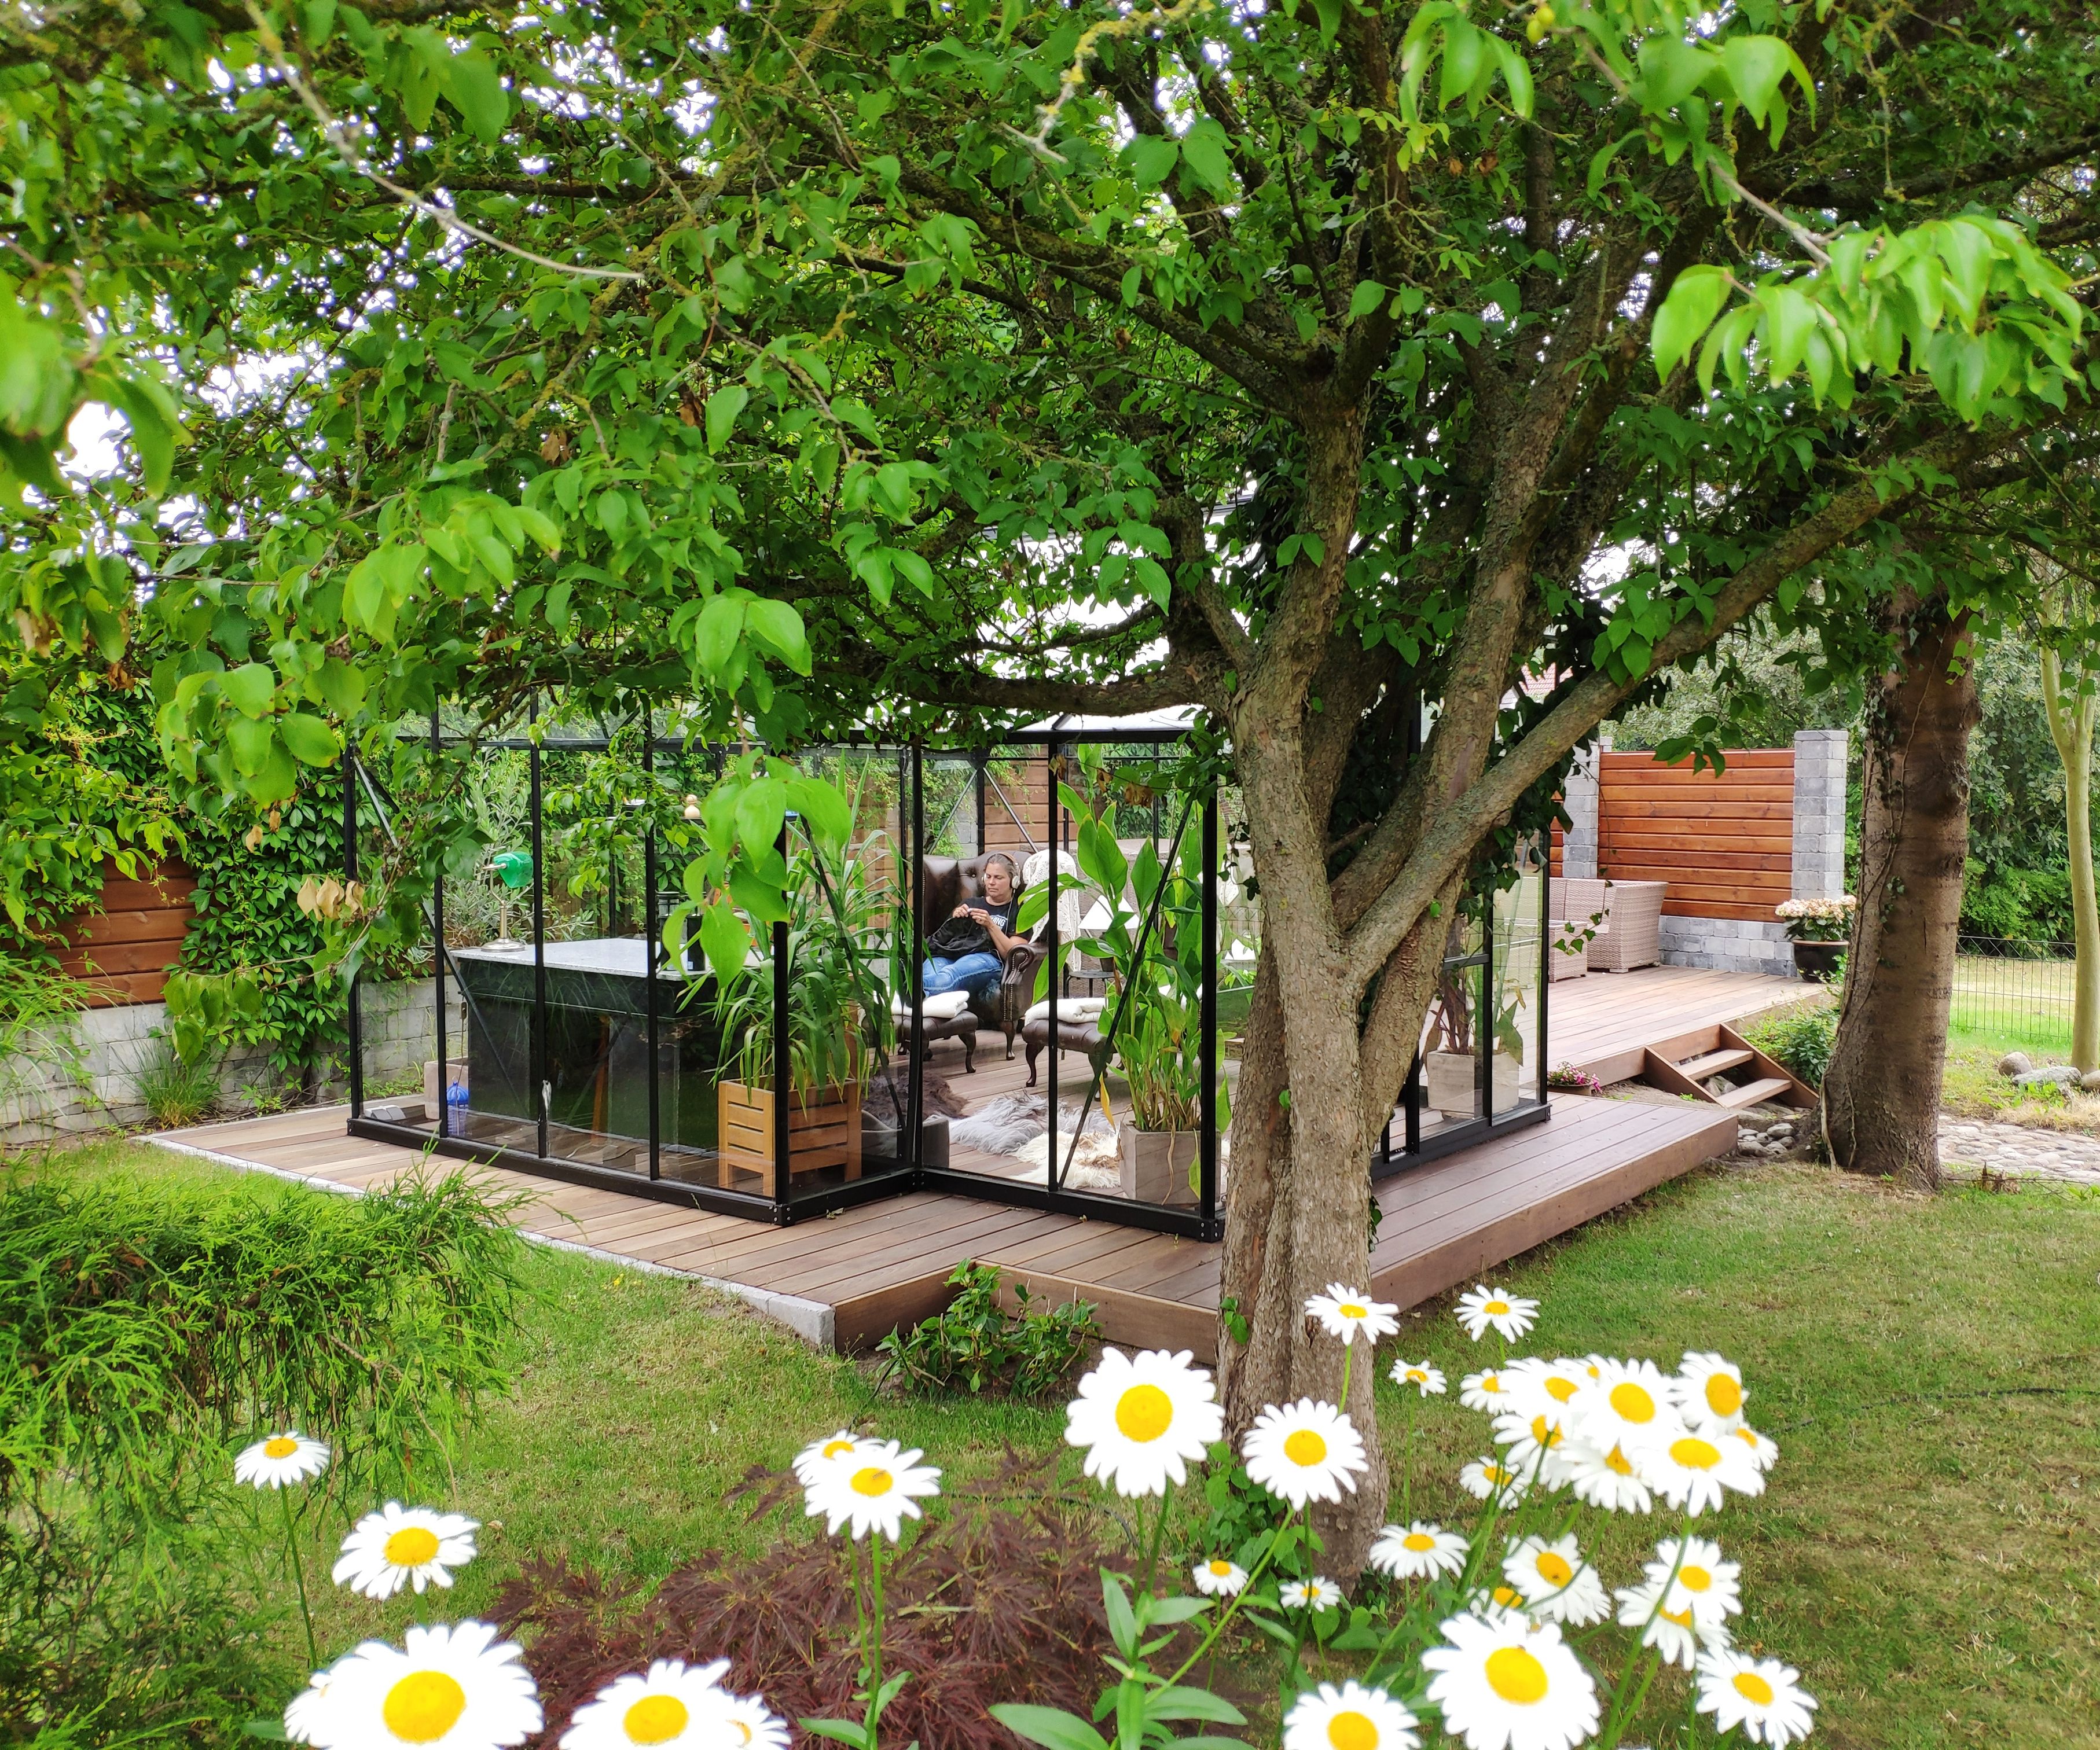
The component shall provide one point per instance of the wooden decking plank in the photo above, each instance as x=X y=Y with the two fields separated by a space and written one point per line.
x=914 y=1255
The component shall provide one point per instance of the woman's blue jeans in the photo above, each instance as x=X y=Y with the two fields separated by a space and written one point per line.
x=976 y=973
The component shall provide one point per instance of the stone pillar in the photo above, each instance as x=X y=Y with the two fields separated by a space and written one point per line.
x=1819 y=761
x=1579 y=844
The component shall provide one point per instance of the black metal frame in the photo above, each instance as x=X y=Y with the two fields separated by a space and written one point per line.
x=1203 y=1221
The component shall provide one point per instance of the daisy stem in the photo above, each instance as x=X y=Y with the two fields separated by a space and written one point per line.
x=298 y=1576
x=1232 y=1605
x=1348 y=1355
x=1616 y=1722
x=875 y=1640
x=1406 y=1457
x=1158 y=1535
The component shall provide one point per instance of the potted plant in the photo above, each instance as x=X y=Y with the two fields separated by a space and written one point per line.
x=1450 y=1079
x=837 y=1021
x=1819 y=929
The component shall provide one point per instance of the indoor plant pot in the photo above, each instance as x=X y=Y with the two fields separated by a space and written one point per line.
x=823 y=1129
x=1817 y=961
x=1156 y=1164
x=1450 y=1083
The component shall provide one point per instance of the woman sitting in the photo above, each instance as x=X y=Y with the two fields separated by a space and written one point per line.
x=969 y=951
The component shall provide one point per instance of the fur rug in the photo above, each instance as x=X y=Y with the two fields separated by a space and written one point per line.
x=889 y=1092
x=1096 y=1164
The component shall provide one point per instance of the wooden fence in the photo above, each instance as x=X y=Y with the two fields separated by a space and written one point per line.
x=122 y=953
x=1724 y=844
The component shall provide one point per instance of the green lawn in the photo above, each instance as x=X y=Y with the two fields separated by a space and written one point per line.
x=1925 y=1553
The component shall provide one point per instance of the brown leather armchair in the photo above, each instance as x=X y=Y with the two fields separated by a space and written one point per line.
x=950 y=881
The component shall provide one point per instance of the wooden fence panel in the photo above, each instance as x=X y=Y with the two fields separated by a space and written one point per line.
x=1723 y=842
x=122 y=953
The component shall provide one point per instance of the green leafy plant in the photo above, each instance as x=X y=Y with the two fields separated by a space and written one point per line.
x=1801 y=1039
x=974 y=1342
x=175 y=1089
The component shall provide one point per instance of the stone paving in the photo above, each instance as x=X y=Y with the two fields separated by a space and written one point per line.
x=2019 y=1148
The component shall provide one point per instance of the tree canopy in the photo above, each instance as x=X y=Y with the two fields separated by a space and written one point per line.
x=902 y=365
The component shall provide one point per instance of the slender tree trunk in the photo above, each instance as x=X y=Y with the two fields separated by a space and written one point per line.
x=1881 y=1095
x=2071 y=725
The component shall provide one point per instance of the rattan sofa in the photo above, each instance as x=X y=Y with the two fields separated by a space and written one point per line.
x=1632 y=911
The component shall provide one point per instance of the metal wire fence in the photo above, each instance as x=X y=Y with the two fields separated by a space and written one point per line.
x=2012 y=992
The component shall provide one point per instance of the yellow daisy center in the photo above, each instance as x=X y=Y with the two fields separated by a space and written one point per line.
x=1682 y=1618
x=1352 y=1731
x=655 y=1720
x=1417 y=1541
x=1747 y=1438
x=280 y=1446
x=1751 y=1687
x=836 y=1449
x=1144 y=1414
x=1560 y=1390
x=1546 y=1433
x=1696 y=1579
x=1305 y=1448
x=1350 y=1310
x=1724 y=1397
x=1491 y=1381
x=1553 y=1567
x=1496 y=1308
x=1221 y=1569
x=1416 y=1375
x=1633 y=1403
x=423 y=1706
x=412 y=1546
x=1496 y=1474
x=1507 y=1596
x=871 y=1480
x=1515 y=1676
x=1694 y=1453
x=743 y=1731
x=1616 y=1460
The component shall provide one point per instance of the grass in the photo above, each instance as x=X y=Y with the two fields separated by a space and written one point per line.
x=2021 y=1005
x=1973 y=1088
x=1924 y=1554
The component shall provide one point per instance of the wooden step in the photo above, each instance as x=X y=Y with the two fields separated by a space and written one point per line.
x=1714 y=1063
x=1751 y=1093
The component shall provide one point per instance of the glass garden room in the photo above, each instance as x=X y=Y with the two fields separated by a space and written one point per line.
x=548 y=1026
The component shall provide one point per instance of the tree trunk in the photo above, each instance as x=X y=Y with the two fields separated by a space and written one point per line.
x=1881 y=1095
x=2071 y=725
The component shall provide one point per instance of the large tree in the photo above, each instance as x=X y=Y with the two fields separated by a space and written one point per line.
x=835 y=362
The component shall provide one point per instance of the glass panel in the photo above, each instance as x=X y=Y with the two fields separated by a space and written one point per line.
x=396 y=1042
x=1518 y=974
x=689 y=1030
x=488 y=933
x=1450 y=1075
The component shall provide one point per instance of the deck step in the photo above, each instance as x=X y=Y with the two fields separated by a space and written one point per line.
x=1714 y=1063
x=1750 y=1093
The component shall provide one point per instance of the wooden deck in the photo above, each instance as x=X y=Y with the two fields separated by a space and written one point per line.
x=1606 y=1022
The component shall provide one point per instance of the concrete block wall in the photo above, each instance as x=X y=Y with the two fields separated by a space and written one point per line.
x=1578 y=845
x=395 y=1022
x=68 y=1087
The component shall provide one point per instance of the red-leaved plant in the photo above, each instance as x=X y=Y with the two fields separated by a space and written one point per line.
x=998 y=1599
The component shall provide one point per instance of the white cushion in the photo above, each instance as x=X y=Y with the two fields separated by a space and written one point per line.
x=1069 y=1008
x=945 y=1006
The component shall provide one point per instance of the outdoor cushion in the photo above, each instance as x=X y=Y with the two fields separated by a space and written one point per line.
x=945 y=1006
x=1069 y=1008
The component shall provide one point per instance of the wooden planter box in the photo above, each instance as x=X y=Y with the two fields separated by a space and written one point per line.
x=824 y=1131
x=1155 y=1164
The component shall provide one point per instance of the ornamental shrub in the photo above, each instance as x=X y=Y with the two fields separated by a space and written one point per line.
x=1800 y=1039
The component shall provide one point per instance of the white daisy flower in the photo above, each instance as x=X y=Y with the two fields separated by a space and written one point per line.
x=1694 y=1473
x=401 y=1546
x=1762 y=1696
x=1627 y=1400
x=1536 y=1449
x=1348 y=1315
x=1418 y=1551
x=1316 y=1593
x=882 y=1489
x=1486 y=1476
x=1606 y=1477
x=1426 y=1379
x=1545 y=1388
x=1711 y=1391
x=677 y=1707
x=1350 y=1717
x=456 y=1687
x=1307 y=1452
x=1510 y=1314
x=1218 y=1578
x=1504 y=1605
x=1557 y=1584
x=1144 y=1418
x=819 y=1457
x=1706 y=1585
x=1673 y=1631
x=1488 y=1390
x=1510 y=1685
x=283 y=1458
x=1763 y=1453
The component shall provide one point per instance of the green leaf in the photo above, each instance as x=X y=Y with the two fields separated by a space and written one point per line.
x=311 y=741
x=342 y=687
x=724 y=941
x=1755 y=66
x=1052 y=1727
x=1790 y=318
x=1151 y=157
x=724 y=405
x=715 y=632
x=1687 y=314
x=779 y=627
x=1185 y=1703
x=1205 y=154
x=1367 y=297
x=760 y=812
x=251 y=689
x=1671 y=70
x=823 y=810
x=476 y=91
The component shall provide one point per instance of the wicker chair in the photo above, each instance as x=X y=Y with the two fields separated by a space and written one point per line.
x=1632 y=919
